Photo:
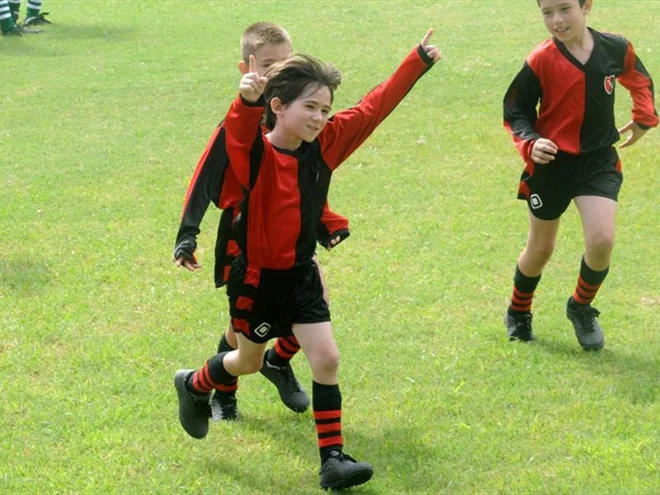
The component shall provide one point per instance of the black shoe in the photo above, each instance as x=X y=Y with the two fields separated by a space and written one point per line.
x=37 y=20
x=341 y=471
x=291 y=392
x=519 y=327
x=223 y=406
x=587 y=330
x=20 y=31
x=194 y=410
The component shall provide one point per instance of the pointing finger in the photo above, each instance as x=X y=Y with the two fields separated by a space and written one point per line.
x=427 y=37
x=253 y=64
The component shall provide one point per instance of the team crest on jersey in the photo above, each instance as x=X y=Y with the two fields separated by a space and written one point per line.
x=262 y=329
x=609 y=84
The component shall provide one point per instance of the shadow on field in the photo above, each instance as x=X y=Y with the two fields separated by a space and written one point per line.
x=25 y=277
x=398 y=455
x=93 y=31
x=634 y=376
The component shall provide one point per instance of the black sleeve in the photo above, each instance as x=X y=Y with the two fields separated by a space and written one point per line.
x=204 y=188
x=520 y=103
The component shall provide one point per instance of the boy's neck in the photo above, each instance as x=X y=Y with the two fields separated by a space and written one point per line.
x=283 y=142
x=581 y=44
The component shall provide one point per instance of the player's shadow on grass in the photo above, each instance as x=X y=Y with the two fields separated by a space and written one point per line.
x=632 y=375
x=24 y=277
x=93 y=31
x=397 y=454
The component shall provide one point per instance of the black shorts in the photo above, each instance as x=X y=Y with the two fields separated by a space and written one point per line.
x=264 y=304
x=549 y=189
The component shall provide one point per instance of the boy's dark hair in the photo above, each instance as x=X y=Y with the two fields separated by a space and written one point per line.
x=582 y=2
x=295 y=77
x=260 y=34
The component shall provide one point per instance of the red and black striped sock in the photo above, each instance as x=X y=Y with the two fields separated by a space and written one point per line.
x=327 y=415
x=523 y=292
x=213 y=375
x=283 y=350
x=588 y=283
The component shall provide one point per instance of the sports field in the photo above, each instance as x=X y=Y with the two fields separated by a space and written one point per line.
x=102 y=120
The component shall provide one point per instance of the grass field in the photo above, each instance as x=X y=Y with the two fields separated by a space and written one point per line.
x=102 y=120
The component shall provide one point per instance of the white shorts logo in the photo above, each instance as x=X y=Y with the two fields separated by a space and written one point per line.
x=535 y=201
x=262 y=329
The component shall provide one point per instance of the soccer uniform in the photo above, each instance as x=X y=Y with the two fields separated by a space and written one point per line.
x=213 y=181
x=576 y=113
x=275 y=281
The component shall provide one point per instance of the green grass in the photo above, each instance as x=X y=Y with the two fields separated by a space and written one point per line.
x=102 y=120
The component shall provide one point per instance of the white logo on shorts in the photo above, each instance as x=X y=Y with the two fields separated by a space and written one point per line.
x=262 y=329
x=535 y=201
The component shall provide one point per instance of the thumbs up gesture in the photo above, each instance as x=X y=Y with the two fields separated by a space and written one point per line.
x=252 y=84
x=432 y=51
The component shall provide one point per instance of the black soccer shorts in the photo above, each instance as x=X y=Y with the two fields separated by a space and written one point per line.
x=265 y=304
x=549 y=189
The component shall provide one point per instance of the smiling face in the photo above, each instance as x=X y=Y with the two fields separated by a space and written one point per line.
x=565 y=19
x=305 y=117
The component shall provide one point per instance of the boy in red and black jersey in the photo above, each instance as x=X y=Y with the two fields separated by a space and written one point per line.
x=567 y=146
x=214 y=181
x=274 y=285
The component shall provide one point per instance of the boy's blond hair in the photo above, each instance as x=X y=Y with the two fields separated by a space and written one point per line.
x=260 y=34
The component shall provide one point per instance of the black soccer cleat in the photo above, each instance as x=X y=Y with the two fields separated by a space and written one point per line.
x=224 y=407
x=519 y=327
x=291 y=392
x=20 y=31
x=341 y=471
x=587 y=330
x=194 y=410
x=37 y=20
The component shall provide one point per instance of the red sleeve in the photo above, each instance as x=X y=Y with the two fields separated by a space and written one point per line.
x=348 y=129
x=637 y=80
x=332 y=225
x=242 y=123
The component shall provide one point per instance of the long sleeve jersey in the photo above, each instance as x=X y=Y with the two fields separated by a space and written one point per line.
x=287 y=189
x=214 y=181
x=577 y=100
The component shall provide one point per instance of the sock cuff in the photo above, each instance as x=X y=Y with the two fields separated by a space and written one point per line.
x=590 y=276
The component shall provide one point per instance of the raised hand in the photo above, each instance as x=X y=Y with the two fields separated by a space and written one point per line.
x=432 y=51
x=252 y=84
x=635 y=129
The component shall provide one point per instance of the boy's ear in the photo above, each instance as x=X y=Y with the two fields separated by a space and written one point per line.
x=243 y=67
x=587 y=6
x=276 y=105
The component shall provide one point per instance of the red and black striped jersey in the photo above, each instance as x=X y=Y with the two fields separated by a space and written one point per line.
x=287 y=189
x=213 y=181
x=577 y=100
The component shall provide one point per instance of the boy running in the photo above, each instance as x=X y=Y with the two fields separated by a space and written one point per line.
x=568 y=153
x=285 y=174
x=214 y=181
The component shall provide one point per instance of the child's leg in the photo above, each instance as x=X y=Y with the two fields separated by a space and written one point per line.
x=598 y=220
x=14 y=6
x=6 y=18
x=537 y=252
x=223 y=402
x=33 y=16
x=337 y=469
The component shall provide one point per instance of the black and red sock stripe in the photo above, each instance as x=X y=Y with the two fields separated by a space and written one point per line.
x=327 y=416
x=213 y=376
x=523 y=292
x=589 y=281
